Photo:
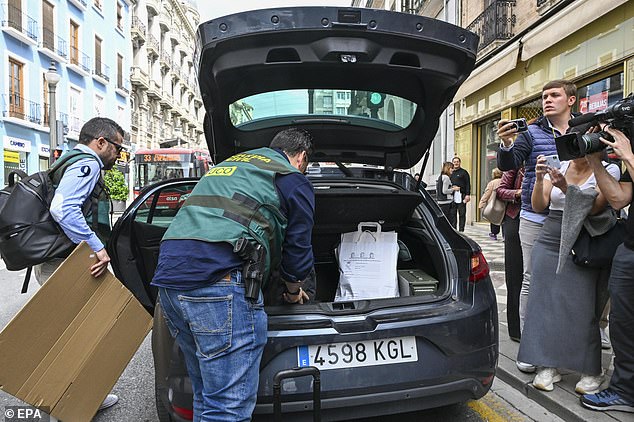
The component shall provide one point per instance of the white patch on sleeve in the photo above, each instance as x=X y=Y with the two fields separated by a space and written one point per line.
x=56 y=207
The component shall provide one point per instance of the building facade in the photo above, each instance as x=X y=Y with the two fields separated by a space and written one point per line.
x=89 y=41
x=523 y=45
x=167 y=108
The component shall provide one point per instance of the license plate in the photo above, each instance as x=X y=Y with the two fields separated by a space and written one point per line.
x=358 y=353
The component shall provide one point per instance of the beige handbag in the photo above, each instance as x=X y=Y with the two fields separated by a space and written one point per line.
x=494 y=210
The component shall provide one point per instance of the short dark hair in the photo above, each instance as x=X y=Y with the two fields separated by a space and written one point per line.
x=97 y=127
x=293 y=141
x=456 y=157
x=569 y=88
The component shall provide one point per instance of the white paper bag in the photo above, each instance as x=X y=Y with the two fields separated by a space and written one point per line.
x=367 y=264
x=457 y=197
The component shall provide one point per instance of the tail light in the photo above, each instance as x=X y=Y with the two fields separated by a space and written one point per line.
x=187 y=414
x=479 y=267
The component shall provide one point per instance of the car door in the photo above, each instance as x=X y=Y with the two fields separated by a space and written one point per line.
x=136 y=236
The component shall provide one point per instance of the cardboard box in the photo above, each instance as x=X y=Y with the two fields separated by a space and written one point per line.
x=68 y=345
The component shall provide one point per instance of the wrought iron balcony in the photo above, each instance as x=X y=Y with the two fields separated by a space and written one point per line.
x=138 y=28
x=102 y=70
x=12 y=17
x=48 y=41
x=496 y=23
x=21 y=108
x=412 y=6
x=80 y=59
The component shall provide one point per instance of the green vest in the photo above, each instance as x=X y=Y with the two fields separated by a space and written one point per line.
x=96 y=208
x=237 y=198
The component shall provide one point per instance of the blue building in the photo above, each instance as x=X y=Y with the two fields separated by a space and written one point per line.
x=89 y=41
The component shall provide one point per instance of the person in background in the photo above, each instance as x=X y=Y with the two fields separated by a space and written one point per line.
x=461 y=182
x=510 y=190
x=444 y=192
x=490 y=190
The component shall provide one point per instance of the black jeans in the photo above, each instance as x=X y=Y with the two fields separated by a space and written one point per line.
x=621 y=286
x=495 y=229
x=461 y=210
x=514 y=273
x=446 y=209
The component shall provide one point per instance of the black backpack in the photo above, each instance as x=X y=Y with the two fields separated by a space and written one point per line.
x=28 y=233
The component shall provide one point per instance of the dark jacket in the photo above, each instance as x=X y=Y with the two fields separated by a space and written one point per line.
x=461 y=178
x=539 y=140
x=511 y=182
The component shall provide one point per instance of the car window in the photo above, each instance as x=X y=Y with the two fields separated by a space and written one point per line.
x=363 y=108
x=162 y=205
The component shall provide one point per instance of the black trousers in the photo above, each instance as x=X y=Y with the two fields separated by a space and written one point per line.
x=451 y=216
x=495 y=229
x=621 y=286
x=514 y=273
x=461 y=211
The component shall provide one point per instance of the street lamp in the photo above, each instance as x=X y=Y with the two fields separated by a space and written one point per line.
x=52 y=78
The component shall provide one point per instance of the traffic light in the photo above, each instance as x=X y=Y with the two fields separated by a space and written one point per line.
x=375 y=100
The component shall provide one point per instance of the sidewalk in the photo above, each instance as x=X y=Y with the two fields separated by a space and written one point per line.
x=562 y=401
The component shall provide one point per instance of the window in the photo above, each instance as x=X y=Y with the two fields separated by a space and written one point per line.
x=74 y=43
x=341 y=110
x=16 y=89
x=119 y=71
x=327 y=101
x=15 y=14
x=48 y=26
x=98 y=105
x=98 y=64
x=119 y=16
x=75 y=110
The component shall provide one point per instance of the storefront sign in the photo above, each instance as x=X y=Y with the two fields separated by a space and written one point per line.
x=594 y=103
x=44 y=151
x=11 y=157
x=17 y=144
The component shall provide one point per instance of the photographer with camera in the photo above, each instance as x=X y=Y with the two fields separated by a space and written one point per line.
x=620 y=393
x=522 y=148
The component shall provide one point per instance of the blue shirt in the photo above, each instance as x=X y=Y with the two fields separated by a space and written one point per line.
x=207 y=262
x=74 y=188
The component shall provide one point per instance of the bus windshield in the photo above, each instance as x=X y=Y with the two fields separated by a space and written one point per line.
x=157 y=165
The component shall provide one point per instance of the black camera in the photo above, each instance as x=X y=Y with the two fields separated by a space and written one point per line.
x=520 y=124
x=577 y=143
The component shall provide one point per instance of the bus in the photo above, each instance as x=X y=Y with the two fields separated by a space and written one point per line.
x=155 y=165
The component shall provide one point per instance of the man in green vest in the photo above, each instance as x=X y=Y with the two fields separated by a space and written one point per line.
x=258 y=199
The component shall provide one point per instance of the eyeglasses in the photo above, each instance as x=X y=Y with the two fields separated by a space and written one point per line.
x=119 y=147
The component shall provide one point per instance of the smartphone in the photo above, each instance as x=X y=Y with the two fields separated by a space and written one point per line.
x=552 y=161
x=520 y=124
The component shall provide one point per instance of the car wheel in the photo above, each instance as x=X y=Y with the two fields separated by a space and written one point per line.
x=163 y=414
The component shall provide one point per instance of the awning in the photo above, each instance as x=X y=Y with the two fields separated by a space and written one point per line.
x=570 y=19
x=501 y=64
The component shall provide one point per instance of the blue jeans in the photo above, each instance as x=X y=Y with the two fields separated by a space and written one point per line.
x=222 y=336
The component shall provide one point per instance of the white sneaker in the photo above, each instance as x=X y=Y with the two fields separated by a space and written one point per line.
x=605 y=339
x=525 y=367
x=109 y=401
x=545 y=379
x=589 y=384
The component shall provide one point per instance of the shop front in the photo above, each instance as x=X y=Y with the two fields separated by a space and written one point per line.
x=16 y=155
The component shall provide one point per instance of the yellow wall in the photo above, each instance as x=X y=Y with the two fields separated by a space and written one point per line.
x=462 y=148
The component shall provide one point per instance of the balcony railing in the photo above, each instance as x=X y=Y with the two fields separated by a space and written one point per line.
x=79 y=58
x=138 y=25
x=152 y=44
x=123 y=84
x=21 y=108
x=62 y=117
x=166 y=60
x=48 y=41
x=13 y=17
x=495 y=23
x=412 y=6
x=102 y=70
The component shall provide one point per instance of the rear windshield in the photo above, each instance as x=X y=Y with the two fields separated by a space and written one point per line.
x=365 y=108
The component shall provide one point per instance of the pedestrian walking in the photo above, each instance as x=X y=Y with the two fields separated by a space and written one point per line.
x=461 y=183
x=510 y=190
x=81 y=186
x=215 y=310
x=620 y=393
x=444 y=192
x=562 y=328
x=488 y=195
x=519 y=149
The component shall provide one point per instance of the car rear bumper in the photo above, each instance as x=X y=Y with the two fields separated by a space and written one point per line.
x=384 y=403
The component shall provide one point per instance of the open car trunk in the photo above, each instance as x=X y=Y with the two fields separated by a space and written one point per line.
x=339 y=207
